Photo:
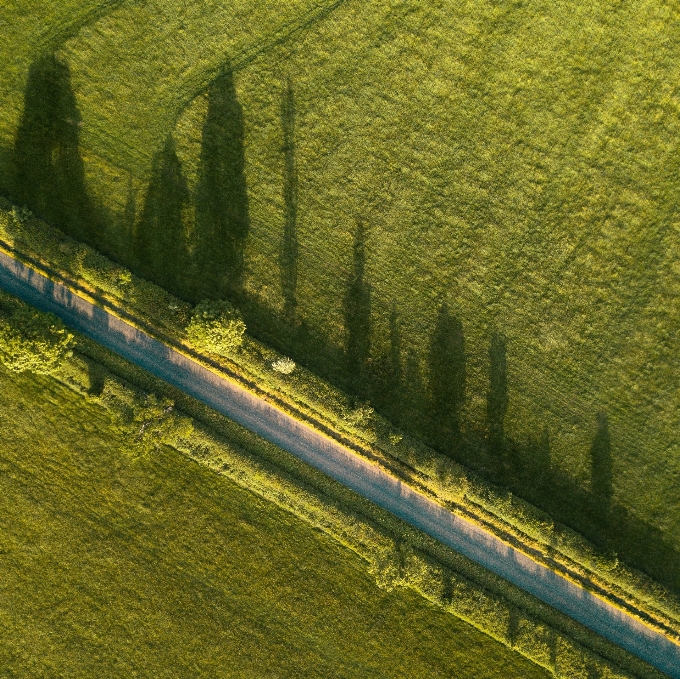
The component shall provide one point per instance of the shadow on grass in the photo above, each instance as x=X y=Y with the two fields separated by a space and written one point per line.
x=222 y=217
x=601 y=469
x=161 y=243
x=446 y=381
x=46 y=174
x=46 y=168
x=357 y=305
x=289 y=243
x=497 y=397
x=386 y=374
x=96 y=374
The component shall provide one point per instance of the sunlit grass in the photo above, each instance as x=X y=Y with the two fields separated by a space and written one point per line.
x=158 y=567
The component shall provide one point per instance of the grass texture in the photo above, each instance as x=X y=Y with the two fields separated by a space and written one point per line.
x=465 y=212
x=155 y=566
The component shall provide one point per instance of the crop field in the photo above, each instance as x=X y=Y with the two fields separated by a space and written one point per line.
x=119 y=566
x=465 y=213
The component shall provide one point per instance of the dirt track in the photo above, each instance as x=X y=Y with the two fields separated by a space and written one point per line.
x=340 y=463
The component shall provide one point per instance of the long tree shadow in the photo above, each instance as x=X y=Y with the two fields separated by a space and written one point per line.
x=386 y=374
x=497 y=397
x=289 y=243
x=47 y=172
x=358 y=318
x=161 y=243
x=222 y=216
x=601 y=467
x=127 y=222
x=447 y=377
x=636 y=542
x=591 y=512
x=414 y=398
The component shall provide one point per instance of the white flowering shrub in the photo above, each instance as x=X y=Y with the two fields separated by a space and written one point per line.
x=284 y=365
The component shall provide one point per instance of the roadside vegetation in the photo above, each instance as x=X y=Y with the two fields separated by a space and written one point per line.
x=240 y=579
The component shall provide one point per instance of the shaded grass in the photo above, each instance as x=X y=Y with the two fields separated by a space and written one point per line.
x=32 y=29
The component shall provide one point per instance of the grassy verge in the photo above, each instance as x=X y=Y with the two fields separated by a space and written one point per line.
x=141 y=424
x=303 y=394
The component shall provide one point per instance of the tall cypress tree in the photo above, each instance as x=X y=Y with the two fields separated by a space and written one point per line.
x=358 y=317
x=601 y=467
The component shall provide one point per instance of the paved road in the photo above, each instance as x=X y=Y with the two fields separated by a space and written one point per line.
x=339 y=463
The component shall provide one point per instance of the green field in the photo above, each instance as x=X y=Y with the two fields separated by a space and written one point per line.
x=515 y=162
x=116 y=566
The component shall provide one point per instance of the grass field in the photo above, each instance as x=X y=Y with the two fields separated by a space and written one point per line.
x=514 y=162
x=113 y=566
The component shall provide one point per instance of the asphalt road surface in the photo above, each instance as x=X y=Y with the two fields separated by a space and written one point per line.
x=340 y=463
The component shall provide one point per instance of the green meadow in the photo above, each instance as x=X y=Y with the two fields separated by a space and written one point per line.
x=464 y=213
x=117 y=565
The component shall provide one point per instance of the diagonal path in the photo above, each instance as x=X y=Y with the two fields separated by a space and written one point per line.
x=340 y=463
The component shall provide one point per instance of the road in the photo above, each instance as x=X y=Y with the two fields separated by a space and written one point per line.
x=340 y=463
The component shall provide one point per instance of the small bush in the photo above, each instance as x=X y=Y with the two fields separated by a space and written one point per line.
x=31 y=340
x=360 y=416
x=284 y=365
x=216 y=327
x=21 y=214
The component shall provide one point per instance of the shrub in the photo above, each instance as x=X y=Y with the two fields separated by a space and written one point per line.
x=360 y=416
x=149 y=421
x=216 y=327
x=21 y=214
x=284 y=365
x=30 y=339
